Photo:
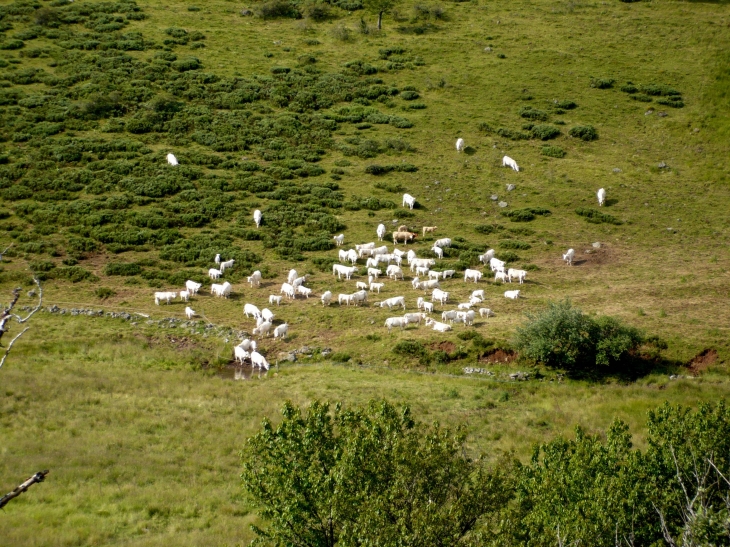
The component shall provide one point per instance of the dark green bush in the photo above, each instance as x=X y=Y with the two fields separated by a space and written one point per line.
x=566 y=105
x=104 y=293
x=274 y=9
x=121 y=268
x=410 y=348
x=512 y=135
x=596 y=217
x=487 y=228
x=584 y=132
x=189 y=63
x=340 y=357
x=658 y=90
x=12 y=44
x=409 y=95
x=602 y=83
x=641 y=98
x=545 y=132
x=74 y=274
x=553 y=151
x=629 y=88
x=512 y=244
x=533 y=114
x=525 y=215
x=674 y=102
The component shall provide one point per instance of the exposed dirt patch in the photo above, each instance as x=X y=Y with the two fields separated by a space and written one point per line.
x=498 y=356
x=448 y=347
x=602 y=256
x=702 y=361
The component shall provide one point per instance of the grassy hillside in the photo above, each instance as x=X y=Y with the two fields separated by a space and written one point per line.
x=286 y=115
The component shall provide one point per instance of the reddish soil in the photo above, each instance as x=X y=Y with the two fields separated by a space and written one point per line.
x=702 y=361
x=498 y=356
x=446 y=346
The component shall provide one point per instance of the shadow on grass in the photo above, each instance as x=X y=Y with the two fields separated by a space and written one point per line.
x=631 y=369
x=611 y=202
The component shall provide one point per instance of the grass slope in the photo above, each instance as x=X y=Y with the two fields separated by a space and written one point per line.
x=143 y=444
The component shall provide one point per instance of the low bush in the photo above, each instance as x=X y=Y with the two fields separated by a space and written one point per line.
x=584 y=132
x=121 y=268
x=274 y=9
x=487 y=228
x=378 y=170
x=515 y=245
x=104 y=293
x=602 y=83
x=641 y=97
x=512 y=135
x=340 y=357
x=75 y=274
x=659 y=90
x=534 y=114
x=566 y=105
x=674 y=102
x=525 y=215
x=553 y=151
x=596 y=217
x=629 y=88
x=545 y=132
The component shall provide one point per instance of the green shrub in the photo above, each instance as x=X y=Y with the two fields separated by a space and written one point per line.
x=659 y=90
x=74 y=274
x=596 y=217
x=566 y=105
x=629 y=88
x=525 y=215
x=584 y=132
x=121 y=268
x=104 y=293
x=674 y=102
x=12 y=44
x=563 y=336
x=545 y=132
x=508 y=256
x=485 y=127
x=512 y=135
x=486 y=228
x=189 y=63
x=553 y=151
x=533 y=114
x=340 y=357
x=512 y=244
x=410 y=348
x=602 y=83
x=641 y=98
x=409 y=95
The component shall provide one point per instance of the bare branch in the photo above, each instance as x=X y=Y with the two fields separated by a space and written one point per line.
x=10 y=346
x=40 y=302
x=38 y=477
x=5 y=251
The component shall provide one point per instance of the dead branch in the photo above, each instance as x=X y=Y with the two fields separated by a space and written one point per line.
x=5 y=251
x=10 y=346
x=7 y=314
x=38 y=477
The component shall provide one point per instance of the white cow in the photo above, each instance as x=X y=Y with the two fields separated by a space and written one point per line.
x=439 y=251
x=382 y=250
x=465 y=305
x=192 y=286
x=440 y=327
x=474 y=300
x=352 y=256
x=409 y=200
x=304 y=291
x=381 y=231
x=361 y=285
x=449 y=273
x=217 y=259
x=184 y=295
x=478 y=294
x=500 y=276
x=189 y=313
x=248 y=345
x=396 y=322
x=513 y=295
x=496 y=265
x=459 y=145
x=281 y=331
x=448 y=315
x=326 y=298
x=274 y=299
x=223 y=290
x=429 y=284
x=359 y=296
x=568 y=257
x=440 y=296
x=214 y=274
x=240 y=354
x=341 y=256
x=339 y=270
x=433 y=274
x=166 y=296
x=171 y=159
x=422 y=270
x=259 y=360
x=250 y=309
x=395 y=301
x=344 y=298
x=486 y=257
x=485 y=312
x=375 y=272
x=601 y=194
x=292 y=276
x=299 y=281
x=428 y=307
x=519 y=274
x=420 y=302
x=370 y=245
x=267 y=315
x=257 y=217
x=376 y=287
x=415 y=318
x=287 y=289
x=263 y=329
x=255 y=279
x=339 y=240
x=443 y=242
x=372 y=262
x=509 y=162
x=394 y=272
x=476 y=275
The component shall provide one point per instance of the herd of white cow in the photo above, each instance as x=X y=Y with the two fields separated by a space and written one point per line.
x=425 y=279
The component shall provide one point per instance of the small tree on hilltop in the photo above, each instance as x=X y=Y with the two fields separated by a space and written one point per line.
x=380 y=7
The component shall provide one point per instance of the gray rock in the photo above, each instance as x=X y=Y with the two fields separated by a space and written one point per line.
x=286 y=356
x=616 y=170
x=662 y=114
x=662 y=165
x=597 y=245
x=502 y=204
x=488 y=49
x=494 y=197
x=649 y=112
x=326 y=351
x=510 y=187
x=246 y=13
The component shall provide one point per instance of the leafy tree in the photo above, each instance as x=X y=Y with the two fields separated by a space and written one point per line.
x=368 y=476
x=380 y=7
x=585 y=491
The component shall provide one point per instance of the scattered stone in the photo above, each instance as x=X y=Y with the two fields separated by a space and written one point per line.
x=670 y=229
x=673 y=377
x=494 y=197
x=696 y=130
x=597 y=245
x=286 y=356
x=510 y=187
x=519 y=376
x=472 y=370
x=394 y=221
x=326 y=351
x=649 y=112
x=616 y=170
x=437 y=182
x=662 y=165
x=488 y=49
x=246 y=13
x=502 y=204
x=662 y=114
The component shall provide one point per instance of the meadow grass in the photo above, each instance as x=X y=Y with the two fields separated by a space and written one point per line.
x=143 y=442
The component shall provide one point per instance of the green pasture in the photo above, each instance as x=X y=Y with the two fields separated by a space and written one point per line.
x=141 y=434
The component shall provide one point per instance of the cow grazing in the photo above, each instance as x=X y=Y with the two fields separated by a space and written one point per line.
x=601 y=194
x=428 y=230
x=274 y=299
x=166 y=296
x=568 y=257
x=171 y=159
x=381 y=231
x=240 y=354
x=263 y=329
x=281 y=331
x=438 y=251
x=513 y=295
x=255 y=279
x=214 y=274
x=339 y=240
x=217 y=259
x=443 y=242
x=292 y=276
x=460 y=145
x=519 y=274
x=392 y=322
x=287 y=290
x=376 y=287
x=403 y=236
x=189 y=313
x=192 y=286
x=500 y=276
x=259 y=360
x=395 y=301
x=409 y=200
x=326 y=298
x=474 y=275
x=304 y=291
x=485 y=312
x=509 y=162
x=257 y=217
